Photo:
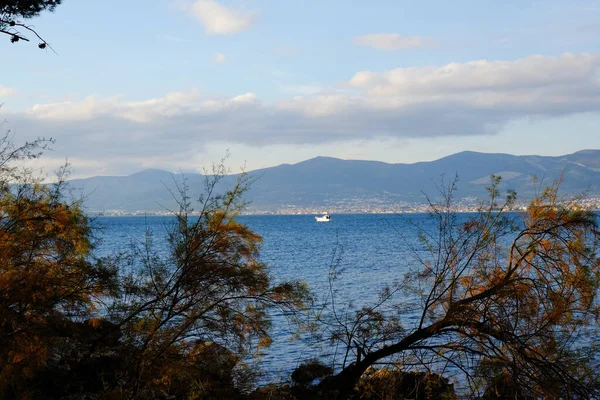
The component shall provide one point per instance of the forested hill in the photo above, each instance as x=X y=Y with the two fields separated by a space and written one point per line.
x=351 y=185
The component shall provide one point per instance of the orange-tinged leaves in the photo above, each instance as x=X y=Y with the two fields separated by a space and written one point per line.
x=44 y=246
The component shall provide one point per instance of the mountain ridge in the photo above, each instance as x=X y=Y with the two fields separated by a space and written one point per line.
x=464 y=152
x=338 y=184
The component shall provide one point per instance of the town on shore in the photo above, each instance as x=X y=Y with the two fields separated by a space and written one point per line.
x=353 y=206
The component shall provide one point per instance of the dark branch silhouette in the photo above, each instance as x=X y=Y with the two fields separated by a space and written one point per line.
x=12 y=14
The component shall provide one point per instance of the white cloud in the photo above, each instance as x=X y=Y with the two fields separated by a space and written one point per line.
x=532 y=83
x=392 y=41
x=220 y=20
x=458 y=99
x=6 y=91
x=220 y=58
x=247 y=98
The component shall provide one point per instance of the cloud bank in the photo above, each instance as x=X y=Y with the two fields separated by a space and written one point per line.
x=220 y=20
x=472 y=98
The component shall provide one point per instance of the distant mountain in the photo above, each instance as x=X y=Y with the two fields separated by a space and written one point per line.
x=350 y=185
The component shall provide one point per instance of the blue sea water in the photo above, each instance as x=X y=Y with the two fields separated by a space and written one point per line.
x=371 y=250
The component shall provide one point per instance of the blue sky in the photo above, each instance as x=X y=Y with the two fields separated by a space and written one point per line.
x=174 y=83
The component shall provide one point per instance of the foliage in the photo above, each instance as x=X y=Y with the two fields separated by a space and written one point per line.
x=504 y=299
x=380 y=384
x=209 y=288
x=183 y=323
x=12 y=12
x=516 y=295
x=47 y=280
x=11 y=154
x=302 y=385
x=388 y=384
x=310 y=370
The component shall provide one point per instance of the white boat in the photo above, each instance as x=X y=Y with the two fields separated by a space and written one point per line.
x=324 y=218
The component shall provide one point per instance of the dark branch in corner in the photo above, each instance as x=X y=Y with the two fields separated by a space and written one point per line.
x=16 y=36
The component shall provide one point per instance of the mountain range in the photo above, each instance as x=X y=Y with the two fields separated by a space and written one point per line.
x=350 y=185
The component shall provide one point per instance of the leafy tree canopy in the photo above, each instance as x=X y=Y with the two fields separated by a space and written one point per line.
x=503 y=299
x=26 y=8
x=142 y=323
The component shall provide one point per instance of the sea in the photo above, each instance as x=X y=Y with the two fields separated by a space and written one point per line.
x=366 y=251
x=363 y=252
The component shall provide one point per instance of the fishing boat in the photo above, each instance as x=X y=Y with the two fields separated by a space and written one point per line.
x=324 y=218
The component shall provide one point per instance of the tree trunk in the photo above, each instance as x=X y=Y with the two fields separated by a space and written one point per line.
x=342 y=385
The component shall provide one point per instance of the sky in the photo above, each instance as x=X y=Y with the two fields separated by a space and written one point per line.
x=177 y=84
